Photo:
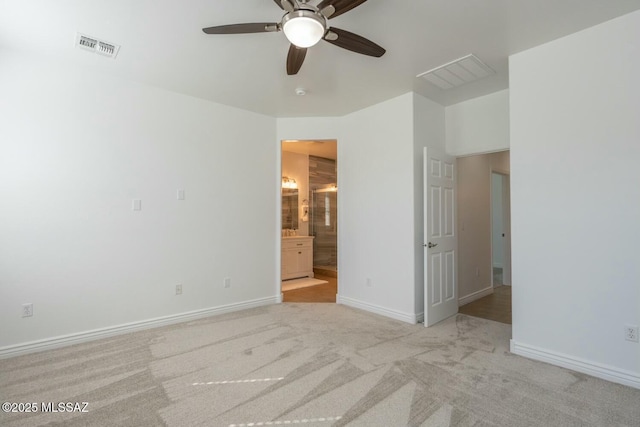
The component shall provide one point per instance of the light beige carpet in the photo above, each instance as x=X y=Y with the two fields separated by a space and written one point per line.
x=289 y=285
x=311 y=365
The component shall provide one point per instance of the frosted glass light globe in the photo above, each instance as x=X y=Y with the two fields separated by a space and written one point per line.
x=303 y=28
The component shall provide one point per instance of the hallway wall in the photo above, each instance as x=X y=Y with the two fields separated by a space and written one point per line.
x=479 y=125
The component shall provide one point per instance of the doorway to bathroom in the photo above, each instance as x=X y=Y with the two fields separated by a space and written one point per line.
x=309 y=271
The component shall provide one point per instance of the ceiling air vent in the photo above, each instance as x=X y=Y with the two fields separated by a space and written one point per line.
x=457 y=73
x=96 y=46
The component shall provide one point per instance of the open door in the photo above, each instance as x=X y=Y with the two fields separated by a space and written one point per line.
x=440 y=239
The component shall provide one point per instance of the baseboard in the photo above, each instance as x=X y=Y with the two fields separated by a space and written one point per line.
x=66 y=340
x=474 y=296
x=372 y=308
x=594 y=369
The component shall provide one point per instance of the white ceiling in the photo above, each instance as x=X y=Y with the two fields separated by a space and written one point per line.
x=163 y=45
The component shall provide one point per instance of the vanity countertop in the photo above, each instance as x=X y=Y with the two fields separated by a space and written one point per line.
x=297 y=237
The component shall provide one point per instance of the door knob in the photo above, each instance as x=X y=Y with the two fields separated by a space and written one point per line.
x=431 y=245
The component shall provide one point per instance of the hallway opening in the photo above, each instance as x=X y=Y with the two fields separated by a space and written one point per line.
x=484 y=236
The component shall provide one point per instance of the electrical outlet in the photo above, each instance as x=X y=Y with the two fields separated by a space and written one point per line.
x=368 y=282
x=227 y=282
x=631 y=333
x=27 y=310
x=178 y=289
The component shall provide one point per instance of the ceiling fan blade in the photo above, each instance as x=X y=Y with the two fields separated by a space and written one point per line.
x=288 y=5
x=340 y=6
x=295 y=58
x=257 y=27
x=353 y=42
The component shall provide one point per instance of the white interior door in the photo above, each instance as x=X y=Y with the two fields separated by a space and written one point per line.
x=440 y=239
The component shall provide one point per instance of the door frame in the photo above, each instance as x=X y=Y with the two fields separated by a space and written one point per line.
x=281 y=150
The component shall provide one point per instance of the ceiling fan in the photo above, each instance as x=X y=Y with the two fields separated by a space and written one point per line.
x=304 y=25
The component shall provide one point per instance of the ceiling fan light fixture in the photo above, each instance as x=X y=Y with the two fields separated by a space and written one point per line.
x=304 y=28
x=305 y=24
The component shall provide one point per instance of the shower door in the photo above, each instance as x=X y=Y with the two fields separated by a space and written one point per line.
x=324 y=226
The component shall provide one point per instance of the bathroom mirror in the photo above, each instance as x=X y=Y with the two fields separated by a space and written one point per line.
x=289 y=208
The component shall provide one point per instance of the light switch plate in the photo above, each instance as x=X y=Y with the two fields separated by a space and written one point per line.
x=137 y=204
x=180 y=194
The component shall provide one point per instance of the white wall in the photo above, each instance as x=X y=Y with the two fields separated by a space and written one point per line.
x=376 y=206
x=576 y=199
x=75 y=149
x=480 y=125
x=376 y=215
x=308 y=128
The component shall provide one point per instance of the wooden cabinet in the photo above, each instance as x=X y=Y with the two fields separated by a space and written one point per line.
x=297 y=257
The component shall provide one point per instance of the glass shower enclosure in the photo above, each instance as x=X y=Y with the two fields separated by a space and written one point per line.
x=324 y=226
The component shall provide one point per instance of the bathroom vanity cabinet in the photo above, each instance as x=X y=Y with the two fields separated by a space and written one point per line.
x=297 y=257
